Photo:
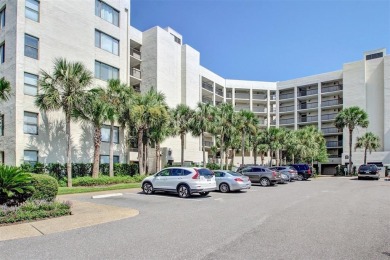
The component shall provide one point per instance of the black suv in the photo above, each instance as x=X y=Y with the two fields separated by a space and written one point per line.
x=304 y=171
x=370 y=171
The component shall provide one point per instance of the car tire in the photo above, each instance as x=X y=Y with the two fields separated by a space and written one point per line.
x=204 y=194
x=183 y=191
x=300 y=177
x=265 y=182
x=359 y=178
x=147 y=188
x=224 y=188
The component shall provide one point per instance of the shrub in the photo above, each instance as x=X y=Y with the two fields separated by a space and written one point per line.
x=105 y=180
x=46 y=187
x=32 y=210
x=14 y=185
x=212 y=166
x=120 y=169
x=56 y=170
x=81 y=169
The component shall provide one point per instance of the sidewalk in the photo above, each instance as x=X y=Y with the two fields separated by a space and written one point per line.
x=84 y=214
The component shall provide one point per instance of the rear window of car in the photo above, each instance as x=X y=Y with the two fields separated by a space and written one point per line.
x=368 y=168
x=301 y=167
x=205 y=172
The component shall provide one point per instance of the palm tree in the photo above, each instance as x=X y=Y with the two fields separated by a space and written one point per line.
x=94 y=109
x=116 y=95
x=143 y=112
x=201 y=123
x=311 y=145
x=213 y=152
x=63 y=90
x=5 y=89
x=291 y=144
x=181 y=118
x=272 y=140
x=350 y=118
x=158 y=133
x=369 y=141
x=223 y=118
x=247 y=122
x=258 y=145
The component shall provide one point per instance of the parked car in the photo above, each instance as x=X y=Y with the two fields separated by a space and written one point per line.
x=284 y=178
x=304 y=171
x=262 y=175
x=288 y=170
x=230 y=181
x=368 y=171
x=182 y=180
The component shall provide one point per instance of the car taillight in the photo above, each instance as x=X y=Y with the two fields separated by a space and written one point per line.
x=197 y=175
x=274 y=174
x=290 y=171
x=309 y=171
x=238 y=179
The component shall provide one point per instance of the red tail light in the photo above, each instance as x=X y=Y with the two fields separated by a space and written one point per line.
x=290 y=171
x=238 y=179
x=197 y=175
x=274 y=174
x=309 y=171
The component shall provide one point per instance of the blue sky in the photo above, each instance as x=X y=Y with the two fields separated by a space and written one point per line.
x=271 y=40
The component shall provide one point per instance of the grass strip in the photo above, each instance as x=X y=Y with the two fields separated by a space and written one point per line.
x=83 y=189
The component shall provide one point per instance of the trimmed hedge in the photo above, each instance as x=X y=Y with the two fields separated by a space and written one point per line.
x=46 y=187
x=105 y=180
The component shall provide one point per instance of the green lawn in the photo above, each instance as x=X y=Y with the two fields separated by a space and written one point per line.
x=66 y=190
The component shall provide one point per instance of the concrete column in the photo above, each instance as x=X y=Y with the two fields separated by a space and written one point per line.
x=277 y=108
x=268 y=108
x=251 y=100
x=319 y=106
x=295 y=107
x=214 y=93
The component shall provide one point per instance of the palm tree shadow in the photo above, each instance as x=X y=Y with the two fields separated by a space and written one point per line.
x=85 y=153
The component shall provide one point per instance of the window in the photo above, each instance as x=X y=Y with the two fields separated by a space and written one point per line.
x=2 y=18
x=164 y=173
x=30 y=156
x=177 y=39
x=176 y=172
x=106 y=134
x=106 y=42
x=30 y=84
x=2 y=53
x=374 y=56
x=105 y=72
x=106 y=12
x=106 y=159
x=30 y=123
x=32 y=10
x=31 y=45
x=2 y=125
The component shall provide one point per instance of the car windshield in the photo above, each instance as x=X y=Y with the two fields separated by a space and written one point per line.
x=301 y=167
x=368 y=168
x=205 y=172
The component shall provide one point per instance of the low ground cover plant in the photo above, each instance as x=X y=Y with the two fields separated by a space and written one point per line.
x=105 y=180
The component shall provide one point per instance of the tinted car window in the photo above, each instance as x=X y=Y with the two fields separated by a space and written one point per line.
x=248 y=169
x=186 y=172
x=205 y=172
x=175 y=172
x=218 y=174
x=256 y=169
x=234 y=173
x=164 y=172
x=368 y=168
x=301 y=167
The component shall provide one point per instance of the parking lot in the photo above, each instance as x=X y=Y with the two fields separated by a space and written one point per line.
x=323 y=218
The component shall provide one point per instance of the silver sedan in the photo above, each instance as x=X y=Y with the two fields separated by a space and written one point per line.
x=230 y=181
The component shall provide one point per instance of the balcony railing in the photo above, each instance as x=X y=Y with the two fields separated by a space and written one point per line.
x=262 y=122
x=272 y=110
x=308 y=105
x=286 y=108
x=137 y=88
x=273 y=122
x=242 y=95
x=286 y=121
x=331 y=88
x=333 y=102
x=328 y=117
x=207 y=86
x=219 y=92
x=207 y=100
x=334 y=156
x=334 y=143
x=331 y=130
x=208 y=143
x=286 y=96
x=228 y=95
x=303 y=93
x=135 y=53
x=238 y=108
x=308 y=119
x=259 y=109
x=272 y=97
x=218 y=103
x=136 y=73
x=259 y=96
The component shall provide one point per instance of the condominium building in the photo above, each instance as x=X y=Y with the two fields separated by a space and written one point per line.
x=98 y=34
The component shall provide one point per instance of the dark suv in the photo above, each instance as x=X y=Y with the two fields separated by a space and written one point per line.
x=303 y=170
x=370 y=171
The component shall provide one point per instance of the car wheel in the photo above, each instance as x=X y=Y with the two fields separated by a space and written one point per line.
x=359 y=178
x=203 y=194
x=264 y=182
x=184 y=191
x=300 y=177
x=147 y=188
x=224 y=187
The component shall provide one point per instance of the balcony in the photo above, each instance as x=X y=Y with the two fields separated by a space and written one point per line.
x=219 y=92
x=331 y=88
x=272 y=110
x=135 y=57
x=308 y=105
x=228 y=95
x=303 y=93
x=272 y=97
x=135 y=76
x=208 y=143
x=331 y=130
x=334 y=102
x=207 y=100
x=259 y=109
x=286 y=121
x=241 y=107
x=137 y=88
x=334 y=156
x=259 y=96
x=334 y=143
x=286 y=109
x=242 y=95
x=207 y=86
x=328 y=117
x=273 y=122
x=308 y=119
x=286 y=96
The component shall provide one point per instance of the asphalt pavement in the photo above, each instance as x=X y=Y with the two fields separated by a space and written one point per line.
x=323 y=218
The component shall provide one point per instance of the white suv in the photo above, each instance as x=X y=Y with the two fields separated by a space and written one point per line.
x=182 y=180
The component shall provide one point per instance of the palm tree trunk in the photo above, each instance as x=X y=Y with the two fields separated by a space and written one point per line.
x=350 y=151
x=262 y=159
x=226 y=159
x=96 y=152
x=204 y=151
x=157 y=157
x=140 y=152
x=365 y=155
x=146 y=147
x=232 y=160
x=68 y=150
x=221 y=153
x=270 y=161
x=182 y=149
x=111 y=162
x=293 y=158
x=254 y=155
x=277 y=157
x=243 y=148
